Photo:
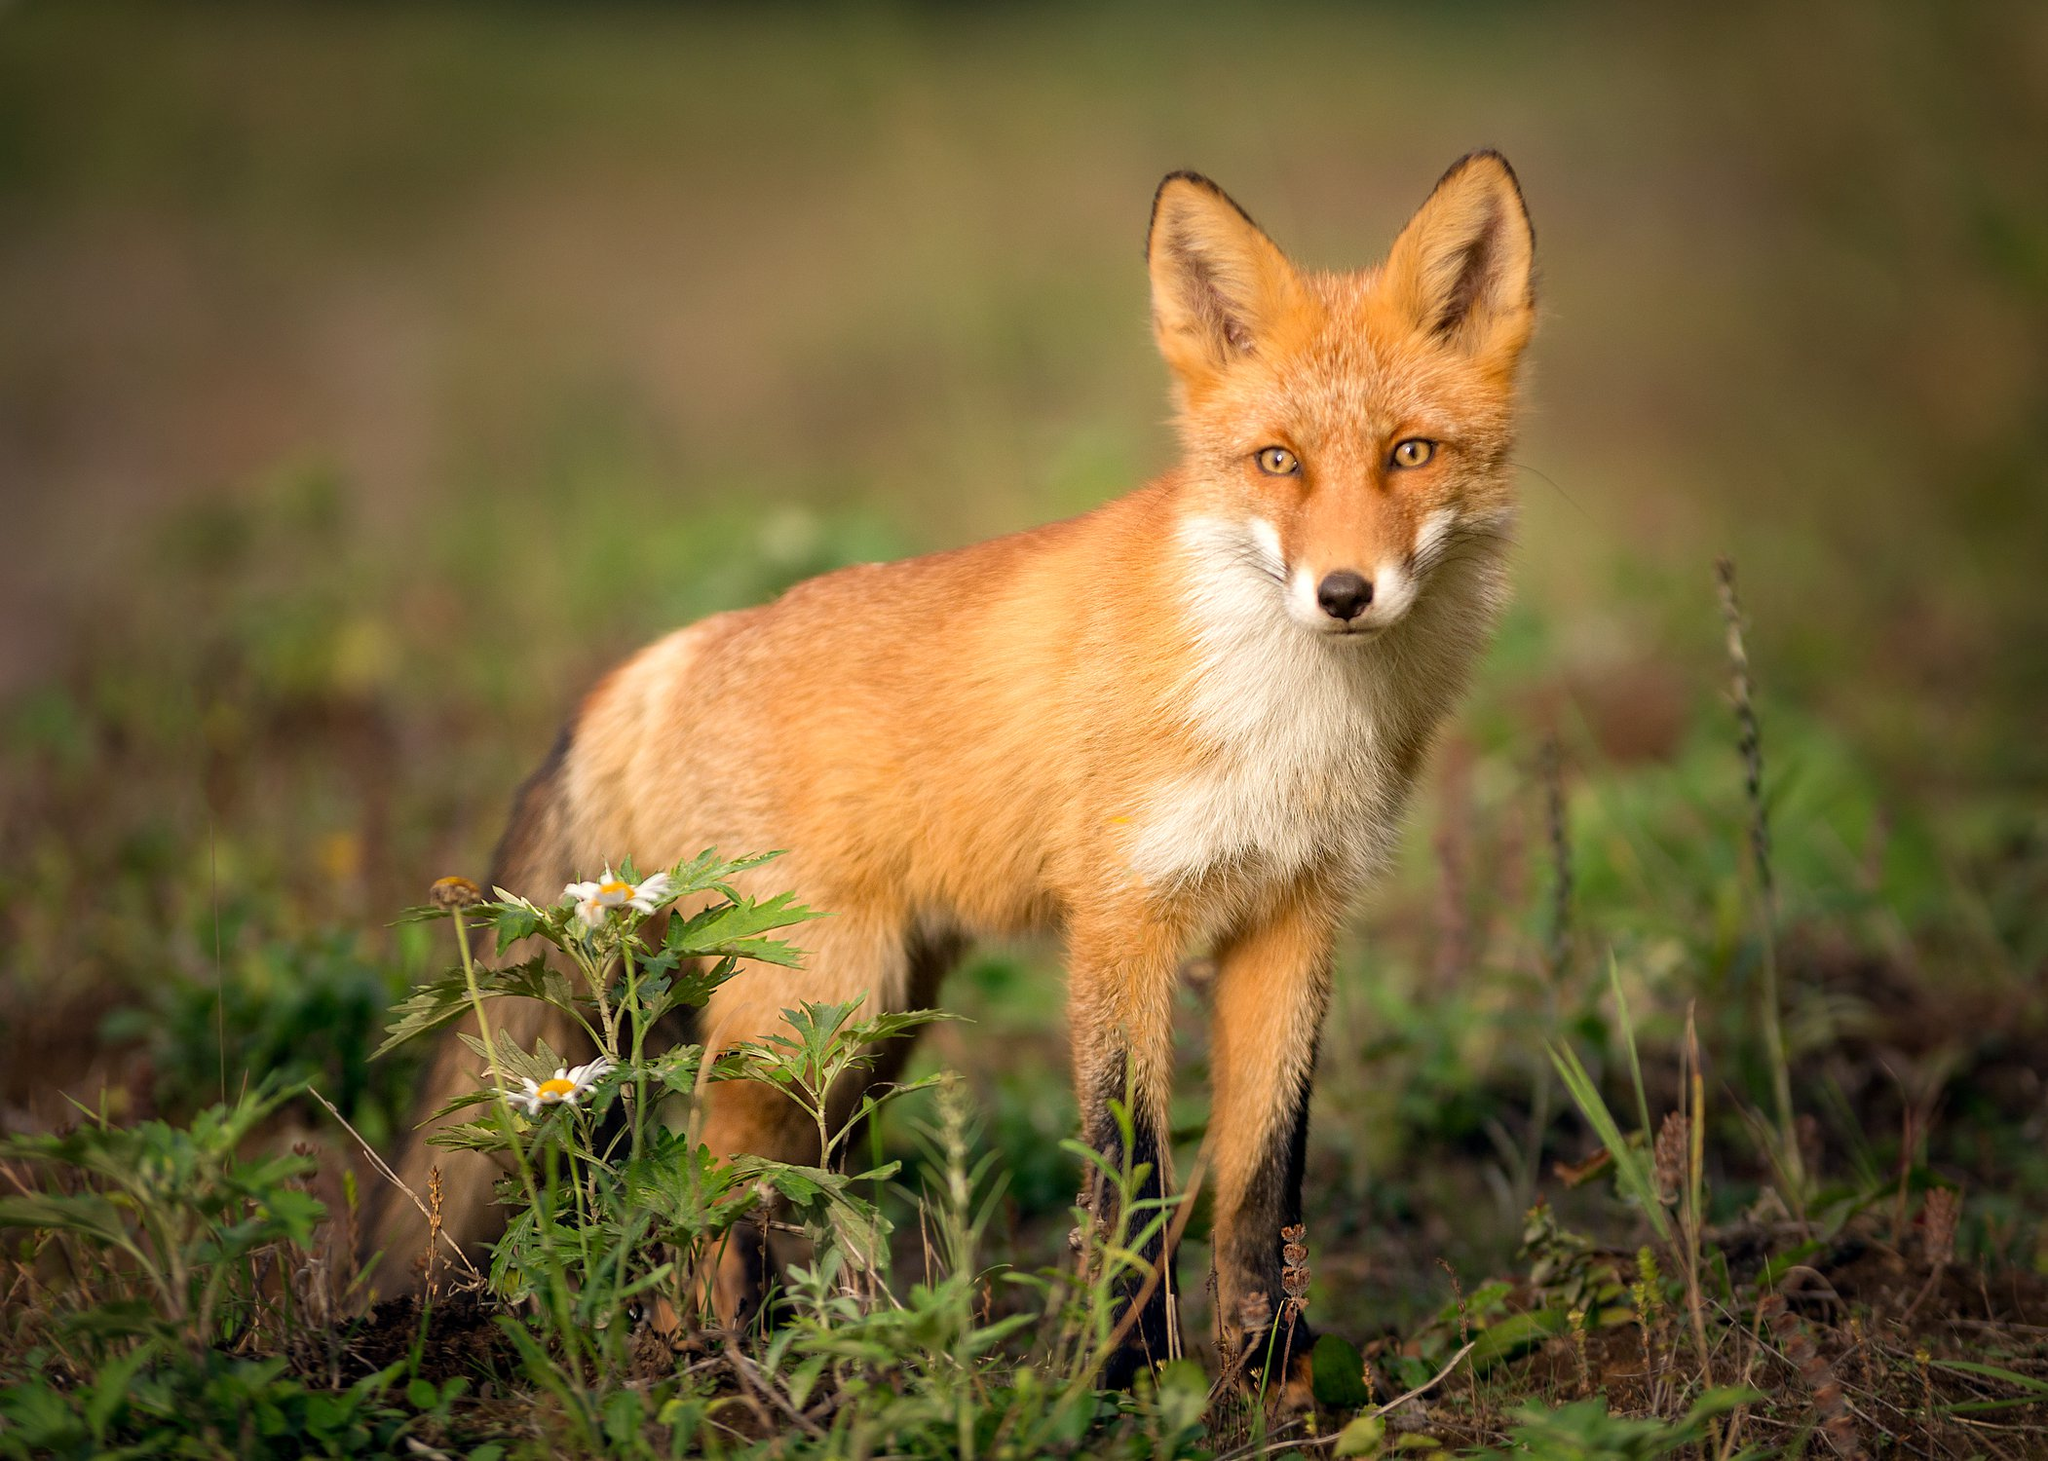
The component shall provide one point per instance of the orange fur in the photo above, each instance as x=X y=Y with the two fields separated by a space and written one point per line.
x=1135 y=728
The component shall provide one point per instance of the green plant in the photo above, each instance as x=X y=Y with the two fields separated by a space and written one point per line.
x=1585 y=1431
x=617 y=1207
x=150 y=1403
x=162 y=1230
x=303 y=1011
x=169 y=1296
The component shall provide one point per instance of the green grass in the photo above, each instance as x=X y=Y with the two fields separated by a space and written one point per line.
x=374 y=378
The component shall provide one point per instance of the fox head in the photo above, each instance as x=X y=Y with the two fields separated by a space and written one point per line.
x=1352 y=427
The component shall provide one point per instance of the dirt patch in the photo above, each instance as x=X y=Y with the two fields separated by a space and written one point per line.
x=1873 y=1344
x=461 y=1337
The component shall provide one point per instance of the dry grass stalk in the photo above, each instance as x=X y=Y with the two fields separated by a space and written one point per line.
x=384 y=1170
x=1749 y=741
x=1158 y=1274
x=1944 y=1207
x=433 y=1284
x=1830 y=1401
x=1692 y=1203
x=1674 y=1141
x=1939 y=1215
x=1294 y=1277
x=1556 y=949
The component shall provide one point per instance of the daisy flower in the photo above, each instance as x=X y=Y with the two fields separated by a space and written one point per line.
x=596 y=899
x=454 y=893
x=565 y=1086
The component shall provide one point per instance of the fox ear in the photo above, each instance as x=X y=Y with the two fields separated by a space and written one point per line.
x=1218 y=283
x=1461 y=269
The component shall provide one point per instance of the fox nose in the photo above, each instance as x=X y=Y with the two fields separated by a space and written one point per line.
x=1344 y=595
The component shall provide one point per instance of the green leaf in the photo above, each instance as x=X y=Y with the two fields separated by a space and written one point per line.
x=2029 y=1383
x=692 y=987
x=428 y=1007
x=86 y=1213
x=735 y=928
x=533 y=978
x=110 y=1389
x=1775 y=1268
x=1338 y=1373
x=1365 y=1436
x=1513 y=1335
x=537 y=1065
x=2033 y=1389
x=434 y=1004
x=1628 y=1040
x=468 y=1136
x=1719 y=1401
x=1628 y=1162
x=675 y=1069
x=512 y=922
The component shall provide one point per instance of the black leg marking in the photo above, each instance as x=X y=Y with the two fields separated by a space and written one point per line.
x=1147 y=1342
x=1255 y=1257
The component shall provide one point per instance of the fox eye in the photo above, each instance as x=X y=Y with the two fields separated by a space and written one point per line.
x=1414 y=452
x=1278 y=461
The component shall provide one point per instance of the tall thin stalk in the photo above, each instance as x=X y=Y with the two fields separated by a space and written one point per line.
x=1750 y=742
x=1556 y=955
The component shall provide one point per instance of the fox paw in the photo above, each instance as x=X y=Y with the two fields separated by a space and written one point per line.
x=1276 y=1363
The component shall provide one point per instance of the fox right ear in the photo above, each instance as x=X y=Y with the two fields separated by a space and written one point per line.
x=1218 y=283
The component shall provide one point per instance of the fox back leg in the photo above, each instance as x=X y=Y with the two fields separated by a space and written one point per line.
x=849 y=956
x=536 y=858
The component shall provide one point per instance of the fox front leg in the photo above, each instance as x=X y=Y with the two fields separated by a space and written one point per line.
x=1272 y=990
x=1122 y=976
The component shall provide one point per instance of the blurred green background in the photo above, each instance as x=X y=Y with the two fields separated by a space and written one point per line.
x=373 y=376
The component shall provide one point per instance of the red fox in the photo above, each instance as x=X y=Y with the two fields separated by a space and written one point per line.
x=1187 y=719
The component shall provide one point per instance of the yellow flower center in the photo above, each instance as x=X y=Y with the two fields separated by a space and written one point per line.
x=555 y=1090
x=615 y=890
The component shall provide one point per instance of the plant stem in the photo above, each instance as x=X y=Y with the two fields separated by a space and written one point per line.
x=637 y=1117
x=497 y=1069
x=1750 y=742
x=483 y=1023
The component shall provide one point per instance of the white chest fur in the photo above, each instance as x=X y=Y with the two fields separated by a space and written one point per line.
x=1298 y=765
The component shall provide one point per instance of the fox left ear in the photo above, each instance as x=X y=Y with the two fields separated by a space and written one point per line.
x=1461 y=269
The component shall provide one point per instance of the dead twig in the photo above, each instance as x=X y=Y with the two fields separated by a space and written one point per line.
x=395 y=1180
x=1158 y=1273
x=751 y=1375
x=1309 y=1442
